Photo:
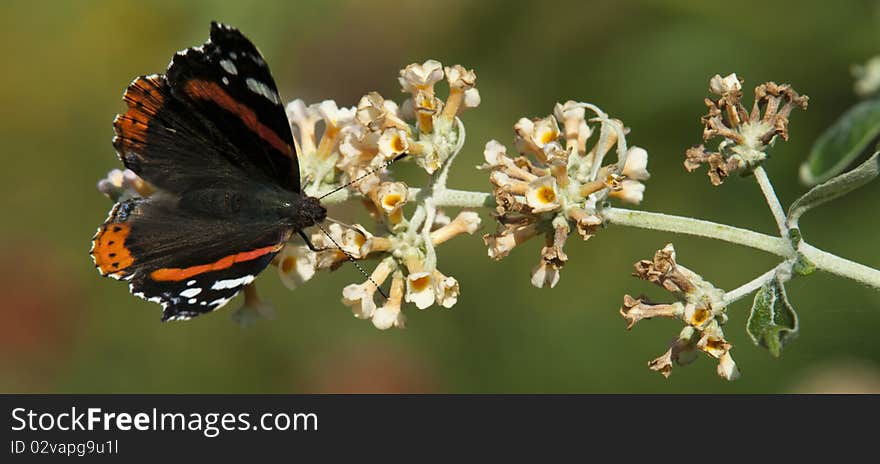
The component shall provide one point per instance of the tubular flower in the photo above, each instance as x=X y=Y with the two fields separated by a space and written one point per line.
x=558 y=183
x=698 y=304
x=745 y=136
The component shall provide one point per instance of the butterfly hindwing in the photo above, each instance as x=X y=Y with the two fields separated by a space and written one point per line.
x=189 y=263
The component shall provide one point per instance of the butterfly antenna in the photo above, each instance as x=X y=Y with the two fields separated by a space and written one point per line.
x=353 y=261
x=369 y=173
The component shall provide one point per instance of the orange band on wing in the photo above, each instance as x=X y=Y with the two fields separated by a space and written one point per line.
x=145 y=97
x=176 y=274
x=109 y=251
x=210 y=91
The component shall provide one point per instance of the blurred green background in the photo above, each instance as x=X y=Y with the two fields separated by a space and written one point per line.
x=65 y=329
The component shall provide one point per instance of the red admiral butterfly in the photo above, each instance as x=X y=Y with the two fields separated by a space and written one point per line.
x=212 y=136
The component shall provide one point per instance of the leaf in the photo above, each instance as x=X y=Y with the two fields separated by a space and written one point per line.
x=772 y=322
x=842 y=143
x=834 y=188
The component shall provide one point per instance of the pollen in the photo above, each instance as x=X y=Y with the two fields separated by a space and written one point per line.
x=547 y=137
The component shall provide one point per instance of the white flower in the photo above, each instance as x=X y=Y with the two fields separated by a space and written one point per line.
x=391 y=196
x=722 y=85
x=472 y=98
x=334 y=116
x=636 y=166
x=727 y=368
x=545 y=275
x=296 y=265
x=459 y=77
x=570 y=111
x=532 y=135
x=494 y=153
x=631 y=191
x=467 y=222
x=420 y=289
x=393 y=142
x=360 y=298
x=304 y=118
x=446 y=290
x=389 y=314
x=542 y=194
x=416 y=77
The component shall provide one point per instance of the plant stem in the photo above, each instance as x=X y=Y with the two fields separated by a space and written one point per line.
x=749 y=287
x=772 y=199
x=685 y=225
x=841 y=266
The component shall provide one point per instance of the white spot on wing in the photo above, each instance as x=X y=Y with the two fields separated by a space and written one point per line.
x=232 y=283
x=225 y=80
x=191 y=292
x=191 y=283
x=229 y=67
x=263 y=89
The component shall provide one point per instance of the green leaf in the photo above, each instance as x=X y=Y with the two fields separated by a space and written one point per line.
x=772 y=322
x=834 y=188
x=842 y=143
x=803 y=266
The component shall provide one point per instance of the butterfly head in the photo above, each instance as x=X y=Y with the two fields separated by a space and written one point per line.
x=307 y=213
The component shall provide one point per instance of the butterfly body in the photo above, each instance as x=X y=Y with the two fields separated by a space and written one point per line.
x=212 y=137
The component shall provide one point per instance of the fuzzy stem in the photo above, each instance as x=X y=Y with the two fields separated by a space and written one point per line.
x=685 y=225
x=841 y=266
x=749 y=287
x=772 y=199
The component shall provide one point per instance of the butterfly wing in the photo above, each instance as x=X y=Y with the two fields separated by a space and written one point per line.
x=189 y=263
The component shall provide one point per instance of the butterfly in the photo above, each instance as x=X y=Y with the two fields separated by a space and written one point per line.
x=211 y=135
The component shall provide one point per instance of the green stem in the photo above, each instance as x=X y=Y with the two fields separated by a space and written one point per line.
x=772 y=200
x=698 y=227
x=840 y=266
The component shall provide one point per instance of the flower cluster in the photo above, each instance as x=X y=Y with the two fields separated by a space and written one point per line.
x=745 y=135
x=698 y=303
x=355 y=147
x=559 y=183
x=338 y=146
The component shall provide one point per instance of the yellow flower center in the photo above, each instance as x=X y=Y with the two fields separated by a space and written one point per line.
x=391 y=201
x=546 y=194
x=398 y=145
x=547 y=137
x=420 y=284
x=288 y=265
x=700 y=316
x=714 y=344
